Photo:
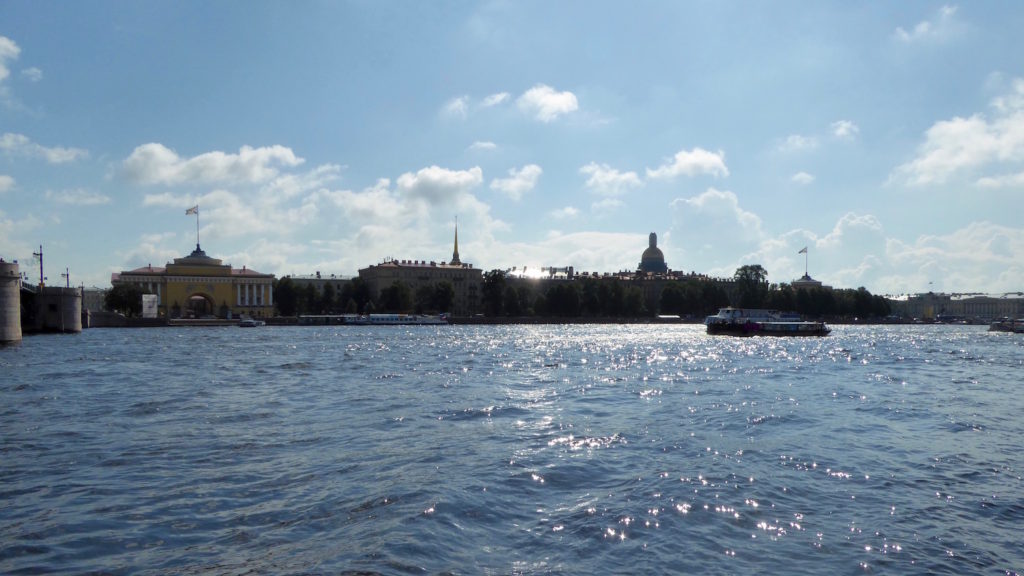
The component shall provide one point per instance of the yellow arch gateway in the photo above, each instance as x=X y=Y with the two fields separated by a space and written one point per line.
x=198 y=285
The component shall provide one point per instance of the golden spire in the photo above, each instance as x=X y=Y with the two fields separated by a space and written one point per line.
x=455 y=254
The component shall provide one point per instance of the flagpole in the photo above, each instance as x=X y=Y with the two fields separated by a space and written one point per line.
x=197 y=226
x=805 y=252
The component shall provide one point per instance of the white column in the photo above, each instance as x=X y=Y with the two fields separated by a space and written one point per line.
x=270 y=295
x=238 y=294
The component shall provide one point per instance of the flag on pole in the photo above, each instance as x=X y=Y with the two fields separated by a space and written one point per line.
x=804 y=251
x=192 y=210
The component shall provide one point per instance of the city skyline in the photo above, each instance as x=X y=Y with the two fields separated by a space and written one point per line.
x=886 y=139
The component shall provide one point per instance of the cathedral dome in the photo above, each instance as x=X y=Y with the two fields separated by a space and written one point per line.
x=653 y=260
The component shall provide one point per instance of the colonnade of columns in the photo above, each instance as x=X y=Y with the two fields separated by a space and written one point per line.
x=254 y=295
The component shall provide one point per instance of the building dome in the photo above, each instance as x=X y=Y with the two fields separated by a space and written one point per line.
x=652 y=259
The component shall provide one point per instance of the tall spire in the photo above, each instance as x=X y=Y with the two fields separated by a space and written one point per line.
x=455 y=254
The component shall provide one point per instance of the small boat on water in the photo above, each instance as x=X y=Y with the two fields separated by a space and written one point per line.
x=373 y=319
x=250 y=323
x=755 y=322
x=1007 y=325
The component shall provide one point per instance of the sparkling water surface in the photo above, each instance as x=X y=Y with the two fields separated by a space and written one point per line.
x=569 y=449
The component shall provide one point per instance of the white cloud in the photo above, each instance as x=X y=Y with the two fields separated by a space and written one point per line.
x=1012 y=101
x=9 y=50
x=939 y=28
x=457 y=107
x=592 y=251
x=439 y=185
x=495 y=99
x=21 y=145
x=966 y=145
x=545 y=104
x=292 y=185
x=482 y=145
x=802 y=178
x=519 y=181
x=797 y=143
x=608 y=181
x=154 y=163
x=6 y=183
x=13 y=234
x=607 y=205
x=696 y=161
x=956 y=261
x=564 y=213
x=1002 y=181
x=845 y=129
x=78 y=197
x=32 y=74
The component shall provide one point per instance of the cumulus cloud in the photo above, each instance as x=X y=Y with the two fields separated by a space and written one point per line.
x=77 y=197
x=938 y=28
x=797 y=143
x=154 y=163
x=6 y=183
x=495 y=99
x=21 y=145
x=691 y=163
x=959 y=259
x=845 y=129
x=519 y=181
x=482 y=145
x=607 y=206
x=32 y=74
x=9 y=50
x=439 y=185
x=564 y=213
x=608 y=181
x=545 y=104
x=457 y=107
x=1002 y=181
x=802 y=178
x=966 y=145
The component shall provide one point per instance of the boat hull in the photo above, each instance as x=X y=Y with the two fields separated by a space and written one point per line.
x=768 y=328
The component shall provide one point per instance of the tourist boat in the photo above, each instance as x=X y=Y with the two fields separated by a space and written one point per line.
x=1007 y=325
x=251 y=323
x=753 y=322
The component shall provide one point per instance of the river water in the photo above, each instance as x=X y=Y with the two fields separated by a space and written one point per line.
x=512 y=450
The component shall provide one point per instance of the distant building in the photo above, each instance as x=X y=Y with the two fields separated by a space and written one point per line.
x=652 y=260
x=198 y=285
x=981 y=307
x=466 y=280
x=807 y=283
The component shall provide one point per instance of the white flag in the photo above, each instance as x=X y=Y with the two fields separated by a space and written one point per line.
x=192 y=210
x=804 y=251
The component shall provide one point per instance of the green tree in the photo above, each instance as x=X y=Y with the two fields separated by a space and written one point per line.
x=444 y=297
x=327 y=298
x=510 y=302
x=125 y=298
x=493 y=292
x=396 y=298
x=424 y=299
x=309 y=302
x=634 y=302
x=752 y=285
x=285 y=297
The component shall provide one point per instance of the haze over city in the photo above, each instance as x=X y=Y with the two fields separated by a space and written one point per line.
x=887 y=138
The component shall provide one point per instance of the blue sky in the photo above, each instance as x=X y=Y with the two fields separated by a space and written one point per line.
x=887 y=137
